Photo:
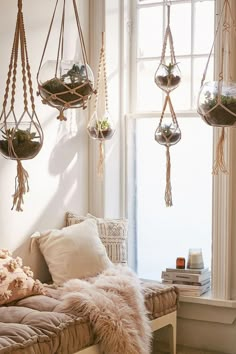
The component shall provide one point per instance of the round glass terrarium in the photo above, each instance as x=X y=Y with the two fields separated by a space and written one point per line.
x=66 y=84
x=217 y=103
x=168 y=134
x=167 y=77
x=23 y=141
x=101 y=128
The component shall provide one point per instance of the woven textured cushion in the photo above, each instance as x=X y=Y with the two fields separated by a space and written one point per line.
x=16 y=281
x=112 y=232
x=73 y=252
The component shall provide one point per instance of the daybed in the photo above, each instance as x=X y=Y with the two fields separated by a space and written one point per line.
x=43 y=323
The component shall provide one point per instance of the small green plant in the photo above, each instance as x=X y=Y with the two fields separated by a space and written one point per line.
x=19 y=135
x=166 y=130
x=169 y=68
x=226 y=101
x=102 y=125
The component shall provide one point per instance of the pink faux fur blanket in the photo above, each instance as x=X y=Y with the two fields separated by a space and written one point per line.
x=114 y=304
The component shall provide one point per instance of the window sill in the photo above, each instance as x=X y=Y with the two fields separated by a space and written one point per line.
x=208 y=299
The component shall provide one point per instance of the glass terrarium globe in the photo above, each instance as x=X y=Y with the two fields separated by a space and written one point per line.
x=68 y=84
x=168 y=134
x=26 y=140
x=217 y=103
x=101 y=128
x=167 y=77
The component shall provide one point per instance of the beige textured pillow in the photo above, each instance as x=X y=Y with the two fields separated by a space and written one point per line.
x=16 y=281
x=112 y=232
x=73 y=252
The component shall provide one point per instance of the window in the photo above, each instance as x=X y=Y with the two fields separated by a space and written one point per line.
x=161 y=234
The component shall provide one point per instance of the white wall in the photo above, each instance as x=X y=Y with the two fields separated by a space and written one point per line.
x=59 y=174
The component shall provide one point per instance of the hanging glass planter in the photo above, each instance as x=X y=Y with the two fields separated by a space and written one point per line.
x=217 y=103
x=217 y=99
x=167 y=78
x=21 y=136
x=101 y=126
x=20 y=140
x=63 y=83
x=168 y=134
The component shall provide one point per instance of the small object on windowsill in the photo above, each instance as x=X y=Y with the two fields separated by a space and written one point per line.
x=180 y=263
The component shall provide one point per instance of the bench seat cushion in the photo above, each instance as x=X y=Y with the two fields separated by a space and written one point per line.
x=34 y=325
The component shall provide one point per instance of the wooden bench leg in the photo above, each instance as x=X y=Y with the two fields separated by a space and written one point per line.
x=172 y=336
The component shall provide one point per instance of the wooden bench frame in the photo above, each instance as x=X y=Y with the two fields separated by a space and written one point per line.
x=167 y=320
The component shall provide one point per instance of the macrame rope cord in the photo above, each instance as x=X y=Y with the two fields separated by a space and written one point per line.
x=100 y=167
x=219 y=163
x=101 y=73
x=168 y=192
x=21 y=186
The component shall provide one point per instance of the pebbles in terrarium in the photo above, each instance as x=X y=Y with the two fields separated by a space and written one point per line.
x=167 y=77
x=217 y=103
x=101 y=128
x=168 y=134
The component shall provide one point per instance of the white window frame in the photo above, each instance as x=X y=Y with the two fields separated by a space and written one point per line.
x=222 y=185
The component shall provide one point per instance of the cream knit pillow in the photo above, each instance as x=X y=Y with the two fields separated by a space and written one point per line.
x=112 y=232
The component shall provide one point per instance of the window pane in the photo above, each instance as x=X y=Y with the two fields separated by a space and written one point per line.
x=163 y=234
x=150 y=31
x=204 y=23
x=181 y=29
x=149 y=96
x=198 y=69
x=181 y=96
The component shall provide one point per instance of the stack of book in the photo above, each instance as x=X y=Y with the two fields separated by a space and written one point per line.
x=190 y=282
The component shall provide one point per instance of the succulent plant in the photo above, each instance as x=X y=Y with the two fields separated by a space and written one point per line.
x=76 y=74
x=19 y=135
x=102 y=125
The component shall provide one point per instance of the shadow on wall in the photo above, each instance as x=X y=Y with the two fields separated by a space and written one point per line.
x=70 y=166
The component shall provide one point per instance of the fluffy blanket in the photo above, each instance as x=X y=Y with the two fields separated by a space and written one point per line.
x=114 y=304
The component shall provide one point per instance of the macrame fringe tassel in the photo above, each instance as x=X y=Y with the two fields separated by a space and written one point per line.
x=168 y=194
x=21 y=187
x=100 y=168
x=219 y=163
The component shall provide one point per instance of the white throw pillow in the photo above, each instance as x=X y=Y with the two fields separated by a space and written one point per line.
x=73 y=252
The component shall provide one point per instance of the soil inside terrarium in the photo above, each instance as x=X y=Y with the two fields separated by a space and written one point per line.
x=24 y=149
x=58 y=88
x=219 y=116
x=98 y=134
x=168 y=81
x=169 y=139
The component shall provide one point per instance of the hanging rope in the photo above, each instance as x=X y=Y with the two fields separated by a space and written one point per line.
x=168 y=192
x=219 y=163
x=19 y=143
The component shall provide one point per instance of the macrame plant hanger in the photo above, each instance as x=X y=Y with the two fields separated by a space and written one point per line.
x=100 y=126
x=217 y=99
x=167 y=78
x=65 y=84
x=21 y=136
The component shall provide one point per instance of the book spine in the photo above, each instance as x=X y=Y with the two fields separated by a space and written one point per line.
x=192 y=271
x=185 y=277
